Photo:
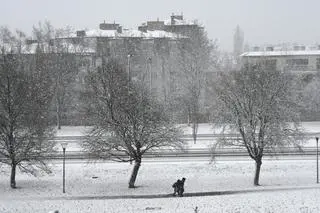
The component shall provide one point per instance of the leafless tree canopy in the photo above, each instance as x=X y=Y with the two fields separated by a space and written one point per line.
x=128 y=121
x=25 y=97
x=195 y=59
x=63 y=65
x=261 y=107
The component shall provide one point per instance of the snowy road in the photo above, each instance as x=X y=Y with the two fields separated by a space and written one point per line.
x=196 y=159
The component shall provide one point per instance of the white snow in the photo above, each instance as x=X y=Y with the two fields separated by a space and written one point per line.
x=281 y=53
x=92 y=33
x=287 y=186
x=312 y=128
x=73 y=131
x=128 y=33
x=181 y=22
x=101 y=33
x=304 y=201
x=161 y=34
x=204 y=128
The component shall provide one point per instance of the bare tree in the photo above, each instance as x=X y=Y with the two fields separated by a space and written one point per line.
x=311 y=98
x=62 y=53
x=195 y=60
x=25 y=96
x=128 y=121
x=261 y=107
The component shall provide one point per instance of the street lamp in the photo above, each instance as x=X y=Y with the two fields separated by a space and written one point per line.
x=129 y=74
x=317 y=139
x=64 y=146
x=150 y=72
x=129 y=79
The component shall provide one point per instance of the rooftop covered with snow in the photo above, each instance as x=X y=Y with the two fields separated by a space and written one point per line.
x=127 y=33
x=281 y=53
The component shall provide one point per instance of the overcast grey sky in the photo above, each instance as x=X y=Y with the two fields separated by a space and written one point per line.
x=263 y=21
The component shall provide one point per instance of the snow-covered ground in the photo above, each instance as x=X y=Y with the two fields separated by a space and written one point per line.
x=204 y=128
x=287 y=186
x=202 y=143
x=303 y=201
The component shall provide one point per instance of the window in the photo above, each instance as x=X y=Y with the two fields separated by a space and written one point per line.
x=271 y=64
x=318 y=64
x=298 y=62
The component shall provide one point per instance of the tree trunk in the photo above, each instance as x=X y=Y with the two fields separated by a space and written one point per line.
x=58 y=116
x=134 y=173
x=194 y=131
x=257 y=173
x=13 y=176
x=58 y=101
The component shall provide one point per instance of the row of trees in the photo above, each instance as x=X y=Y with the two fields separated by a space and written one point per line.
x=31 y=85
x=260 y=105
x=258 y=108
x=138 y=121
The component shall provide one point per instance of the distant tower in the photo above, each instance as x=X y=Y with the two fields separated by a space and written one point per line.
x=238 y=39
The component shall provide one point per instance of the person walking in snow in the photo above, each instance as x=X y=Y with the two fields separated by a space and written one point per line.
x=175 y=187
x=180 y=188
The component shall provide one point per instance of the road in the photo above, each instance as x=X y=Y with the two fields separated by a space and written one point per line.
x=201 y=150
x=195 y=152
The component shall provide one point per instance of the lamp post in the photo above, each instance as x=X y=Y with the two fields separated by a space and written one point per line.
x=64 y=146
x=129 y=79
x=317 y=139
x=129 y=71
x=150 y=72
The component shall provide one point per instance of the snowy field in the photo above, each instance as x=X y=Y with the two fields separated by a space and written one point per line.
x=204 y=128
x=312 y=128
x=287 y=186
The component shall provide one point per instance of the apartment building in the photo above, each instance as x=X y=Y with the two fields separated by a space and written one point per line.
x=297 y=58
x=150 y=53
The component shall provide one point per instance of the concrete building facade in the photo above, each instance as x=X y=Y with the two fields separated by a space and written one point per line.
x=296 y=58
x=150 y=54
